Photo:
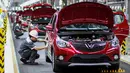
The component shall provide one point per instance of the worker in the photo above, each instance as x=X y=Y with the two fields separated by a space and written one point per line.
x=18 y=30
x=28 y=50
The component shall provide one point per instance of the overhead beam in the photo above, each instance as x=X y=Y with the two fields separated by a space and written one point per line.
x=29 y=2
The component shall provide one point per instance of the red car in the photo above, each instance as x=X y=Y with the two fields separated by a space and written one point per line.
x=41 y=16
x=85 y=34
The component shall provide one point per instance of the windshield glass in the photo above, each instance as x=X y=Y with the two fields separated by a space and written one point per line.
x=85 y=26
x=118 y=19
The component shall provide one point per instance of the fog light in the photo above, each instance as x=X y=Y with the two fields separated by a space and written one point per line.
x=116 y=57
x=61 y=57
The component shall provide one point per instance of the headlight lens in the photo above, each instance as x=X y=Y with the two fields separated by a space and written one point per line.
x=62 y=44
x=115 y=42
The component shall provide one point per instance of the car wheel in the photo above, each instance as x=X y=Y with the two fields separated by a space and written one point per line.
x=114 y=67
x=54 y=65
x=48 y=60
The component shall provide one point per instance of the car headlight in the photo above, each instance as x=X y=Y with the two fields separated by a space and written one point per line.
x=115 y=42
x=62 y=44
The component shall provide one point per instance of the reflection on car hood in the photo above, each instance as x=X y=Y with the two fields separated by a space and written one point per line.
x=86 y=12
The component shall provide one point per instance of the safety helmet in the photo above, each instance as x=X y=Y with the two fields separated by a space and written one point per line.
x=33 y=33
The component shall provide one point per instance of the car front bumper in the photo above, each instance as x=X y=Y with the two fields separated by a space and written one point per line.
x=69 y=64
x=88 y=60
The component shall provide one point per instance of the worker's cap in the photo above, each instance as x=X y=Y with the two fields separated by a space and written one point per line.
x=33 y=33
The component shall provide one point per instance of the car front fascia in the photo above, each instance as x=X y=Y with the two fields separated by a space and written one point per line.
x=71 y=51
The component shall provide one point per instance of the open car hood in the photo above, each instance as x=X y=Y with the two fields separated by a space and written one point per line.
x=20 y=12
x=86 y=12
x=43 y=12
x=27 y=13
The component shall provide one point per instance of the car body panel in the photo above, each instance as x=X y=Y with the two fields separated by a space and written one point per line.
x=45 y=5
x=121 y=29
x=27 y=11
x=86 y=12
x=41 y=16
x=43 y=12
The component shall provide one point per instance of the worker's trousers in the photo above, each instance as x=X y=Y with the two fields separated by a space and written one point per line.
x=30 y=55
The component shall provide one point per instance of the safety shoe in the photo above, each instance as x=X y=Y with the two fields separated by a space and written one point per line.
x=23 y=60
x=32 y=63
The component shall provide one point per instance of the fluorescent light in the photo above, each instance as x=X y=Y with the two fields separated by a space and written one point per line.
x=60 y=2
x=29 y=2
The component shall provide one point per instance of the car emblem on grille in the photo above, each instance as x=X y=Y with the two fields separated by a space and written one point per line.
x=89 y=46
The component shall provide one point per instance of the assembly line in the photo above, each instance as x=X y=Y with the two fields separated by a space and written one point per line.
x=85 y=37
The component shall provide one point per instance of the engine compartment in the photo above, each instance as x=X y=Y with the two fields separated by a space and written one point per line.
x=87 y=41
x=42 y=26
x=90 y=36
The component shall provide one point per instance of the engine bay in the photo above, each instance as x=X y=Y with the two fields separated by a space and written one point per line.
x=90 y=36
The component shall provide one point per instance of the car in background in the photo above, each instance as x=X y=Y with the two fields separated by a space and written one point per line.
x=39 y=24
x=27 y=12
x=85 y=34
x=41 y=16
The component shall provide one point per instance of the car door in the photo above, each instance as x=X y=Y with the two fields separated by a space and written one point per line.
x=121 y=26
x=48 y=37
x=49 y=30
x=50 y=34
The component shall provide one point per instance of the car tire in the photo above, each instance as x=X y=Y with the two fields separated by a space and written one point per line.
x=114 y=67
x=55 y=67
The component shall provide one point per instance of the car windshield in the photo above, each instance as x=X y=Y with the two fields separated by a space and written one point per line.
x=84 y=27
x=118 y=19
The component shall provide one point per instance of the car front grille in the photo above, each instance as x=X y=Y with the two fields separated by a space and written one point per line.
x=89 y=59
x=89 y=47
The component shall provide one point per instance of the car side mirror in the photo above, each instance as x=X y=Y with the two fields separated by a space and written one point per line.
x=49 y=28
